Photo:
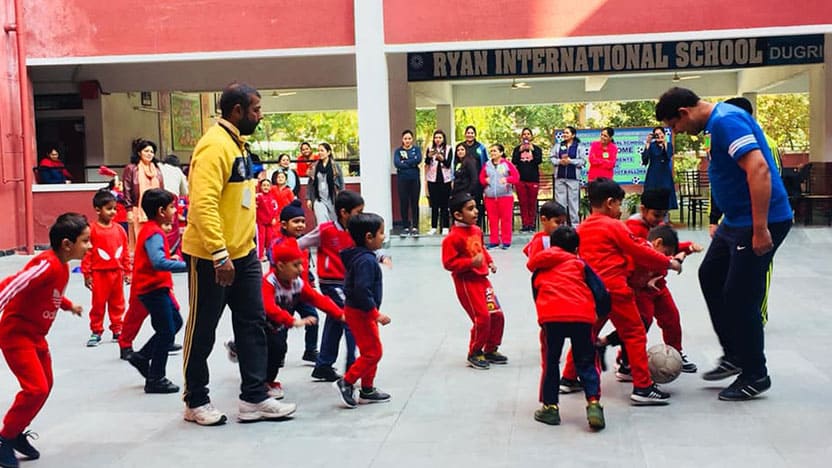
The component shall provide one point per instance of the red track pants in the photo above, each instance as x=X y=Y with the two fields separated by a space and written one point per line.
x=32 y=365
x=478 y=299
x=107 y=295
x=625 y=316
x=660 y=305
x=500 y=211
x=364 y=329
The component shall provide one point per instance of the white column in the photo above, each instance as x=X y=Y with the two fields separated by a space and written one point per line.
x=445 y=120
x=373 y=108
x=753 y=98
x=820 y=106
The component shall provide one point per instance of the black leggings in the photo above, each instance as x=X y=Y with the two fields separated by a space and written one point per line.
x=409 y=200
x=439 y=195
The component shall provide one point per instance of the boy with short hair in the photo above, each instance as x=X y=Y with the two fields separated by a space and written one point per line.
x=330 y=238
x=608 y=248
x=464 y=256
x=363 y=288
x=552 y=215
x=106 y=267
x=29 y=301
x=565 y=309
x=153 y=286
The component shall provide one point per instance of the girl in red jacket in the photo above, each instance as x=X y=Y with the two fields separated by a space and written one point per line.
x=267 y=212
x=602 y=156
x=281 y=192
x=29 y=301
x=565 y=309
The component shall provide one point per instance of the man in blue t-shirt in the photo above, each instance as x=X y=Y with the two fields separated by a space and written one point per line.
x=757 y=217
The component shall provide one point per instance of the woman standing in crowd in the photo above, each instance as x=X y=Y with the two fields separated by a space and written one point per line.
x=407 y=158
x=325 y=181
x=478 y=152
x=498 y=177
x=141 y=175
x=527 y=157
x=602 y=155
x=439 y=175
x=466 y=175
x=305 y=158
x=568 y=162
x=292 y=177
x=658 y=157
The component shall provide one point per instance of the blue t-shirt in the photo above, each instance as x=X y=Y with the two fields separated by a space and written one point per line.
x=734 y=133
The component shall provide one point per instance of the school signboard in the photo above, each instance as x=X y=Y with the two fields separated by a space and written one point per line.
x=630 y=143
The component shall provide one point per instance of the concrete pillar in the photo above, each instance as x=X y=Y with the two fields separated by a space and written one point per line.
x=820 y=105
x=753 y=98
x=373 y=109
x=445 y=121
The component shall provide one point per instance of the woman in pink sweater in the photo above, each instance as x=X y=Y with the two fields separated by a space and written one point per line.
x=602 y=155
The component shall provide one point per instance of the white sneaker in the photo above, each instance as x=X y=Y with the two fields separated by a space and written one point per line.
x=432 y=232
x=205 y=415
x=275 y=391
x=445 y=231
x=232 y=350
x=265 y=410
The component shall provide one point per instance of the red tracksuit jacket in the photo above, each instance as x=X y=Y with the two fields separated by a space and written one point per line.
x=608 y=246
x=561 y=291
x=280 y=298
x=539 y=241
x=640 y=276
x=109 y=250
x=145 y=277
x=459 y=247
x=29 y=301
x=266 y=209
x=282 y=196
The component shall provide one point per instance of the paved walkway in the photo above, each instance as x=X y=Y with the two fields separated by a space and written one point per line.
x=444 y=414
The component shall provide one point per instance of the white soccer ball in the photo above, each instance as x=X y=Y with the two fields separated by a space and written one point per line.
x=664 y=362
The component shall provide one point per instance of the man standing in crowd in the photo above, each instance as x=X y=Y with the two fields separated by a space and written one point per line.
x=757 y=218
x=223 y=268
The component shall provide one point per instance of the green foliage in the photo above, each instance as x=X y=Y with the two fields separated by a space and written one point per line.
x=340 y=129
x=785 y=117
x=630 y=204
x=683 y=162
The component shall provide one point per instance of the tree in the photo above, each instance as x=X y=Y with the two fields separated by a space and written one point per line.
x=785 y=117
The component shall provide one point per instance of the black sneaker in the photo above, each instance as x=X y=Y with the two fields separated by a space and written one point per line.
x=325 y=374
x=7 y=457
x=162 y=385
x=743 y=389
x=346 y=392
x=116 y=336
x=651 y=395
x=624 y=373
x=478 y=361
x=414 y=233
x=723 y=370
x=141 y=363
x=570 y=385
x=95 y=340
x=174 y=348
x=310 y=355
x=687 y=366
x=496 y=358
x=373 y=395
x=124 y=353
x=22 y=445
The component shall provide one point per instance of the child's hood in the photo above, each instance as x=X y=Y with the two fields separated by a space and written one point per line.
x=354 y=254
x=550 y=258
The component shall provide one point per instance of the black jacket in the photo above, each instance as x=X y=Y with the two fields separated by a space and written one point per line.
x=362 y=285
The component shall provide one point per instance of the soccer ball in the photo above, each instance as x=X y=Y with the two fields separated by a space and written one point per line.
x=664 y=362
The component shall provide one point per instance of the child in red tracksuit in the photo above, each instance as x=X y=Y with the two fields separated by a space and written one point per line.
x=29 y=301
x=552 y=215
x=153 y=286
x=464 y=256
x=106 y=267
x=267 y=213
x=281 y=192
x=653 y=298
x=362 y=288
x=565 y=309
x=608 y=247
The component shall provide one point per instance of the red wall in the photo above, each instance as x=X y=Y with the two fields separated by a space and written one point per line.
x=49 y=205
x=74 y=28
x=413 y=21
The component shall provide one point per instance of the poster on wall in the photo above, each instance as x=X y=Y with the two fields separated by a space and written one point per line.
x=186 y=120
x=630 y=143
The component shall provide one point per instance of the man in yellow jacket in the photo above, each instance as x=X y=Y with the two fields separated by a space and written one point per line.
x=223 y=268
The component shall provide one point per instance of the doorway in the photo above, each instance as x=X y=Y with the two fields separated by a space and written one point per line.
x=67 y=133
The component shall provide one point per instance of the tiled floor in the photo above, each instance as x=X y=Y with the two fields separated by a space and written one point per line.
x=444 y=414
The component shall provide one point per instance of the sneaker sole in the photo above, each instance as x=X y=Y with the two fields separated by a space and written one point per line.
x=714 y=377
x=568 y=390
x=218 y=422
x=260 y=416
x=690 y=371
x=544 y=421
x=636 y=400
x=474 y=366
x=498 y=363
x=596 y=424
x=341 y=397
x=744 y=398
x=623 y=377
x=362 y=401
